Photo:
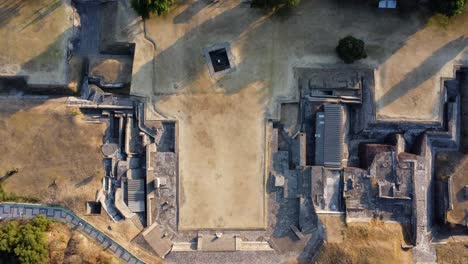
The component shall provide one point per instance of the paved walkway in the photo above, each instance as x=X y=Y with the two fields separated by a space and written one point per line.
x=27 y=211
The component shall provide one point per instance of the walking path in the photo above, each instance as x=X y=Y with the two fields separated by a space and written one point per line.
x=27 y=211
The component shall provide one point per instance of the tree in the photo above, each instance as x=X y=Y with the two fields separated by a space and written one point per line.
x=31 y=246
x=275 y=3
x=145 y=7
x=351 y=49
x=449 y=7
x=292 y=3
x=26 y=242
x=41 y=222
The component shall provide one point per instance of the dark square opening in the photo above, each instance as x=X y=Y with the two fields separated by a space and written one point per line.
x=219 y=60
x=93 y=208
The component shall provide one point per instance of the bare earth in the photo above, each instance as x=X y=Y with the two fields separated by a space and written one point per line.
x=221 y=184
x=408 y=83
x=35 y=38
x=221 y=128
x=49 y=142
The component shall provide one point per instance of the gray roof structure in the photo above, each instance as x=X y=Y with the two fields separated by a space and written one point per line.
x=333 y=137
x=136 y=195
x=329 y=136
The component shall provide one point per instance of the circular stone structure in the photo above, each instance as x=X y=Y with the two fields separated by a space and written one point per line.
x=109 y=149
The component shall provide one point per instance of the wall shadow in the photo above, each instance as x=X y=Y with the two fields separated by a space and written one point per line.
x=41 y=13
x=247 y=24
x=8 y=10
x=191 y=11
x=425 y=70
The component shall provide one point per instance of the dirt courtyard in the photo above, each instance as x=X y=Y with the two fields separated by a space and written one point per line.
x=221 y=183
x=48 y=142
x=34 y=39
x=221 y=120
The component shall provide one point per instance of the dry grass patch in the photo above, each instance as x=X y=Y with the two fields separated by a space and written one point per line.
x=68 y=246
x=57 y=154
x=453 y=253
x=376 y=242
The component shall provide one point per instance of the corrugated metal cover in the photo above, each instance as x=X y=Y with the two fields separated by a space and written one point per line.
x=136 y=195
x=333 y=135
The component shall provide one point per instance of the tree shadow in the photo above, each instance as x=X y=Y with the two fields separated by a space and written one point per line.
x=191 y=11
x=425 y=70
x=9 y=9
x=251 y=27
x=41 y=13
x=185 y=57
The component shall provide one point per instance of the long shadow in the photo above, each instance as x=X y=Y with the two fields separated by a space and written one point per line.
x=52 y=51
x=246 y=24
x=190 y=12
x=187 y=50
x=46 y=68
x=426 y=70
x=42 y=12
x=8 y=10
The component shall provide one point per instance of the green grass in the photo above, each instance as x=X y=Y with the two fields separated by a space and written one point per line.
x=439 y=20
x=24 y=241
x=11 y=197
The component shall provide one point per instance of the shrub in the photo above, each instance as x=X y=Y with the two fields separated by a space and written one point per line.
x=26 y=242
x=275 y=4
x=41 y=222
x=448 y=7
x=351 y=49
x=439 y=20
x=292 y=3
x=11 y=197
x=145 y=7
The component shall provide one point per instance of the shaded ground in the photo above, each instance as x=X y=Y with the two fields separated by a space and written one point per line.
x=373 y=242
x=455 y=165
x=34 y=39
x=408 y=82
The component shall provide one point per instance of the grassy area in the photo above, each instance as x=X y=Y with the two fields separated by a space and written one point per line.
x=455 y=253
x=439 y=20
x=11 y=197
x=24 y=241
x=376 y=242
